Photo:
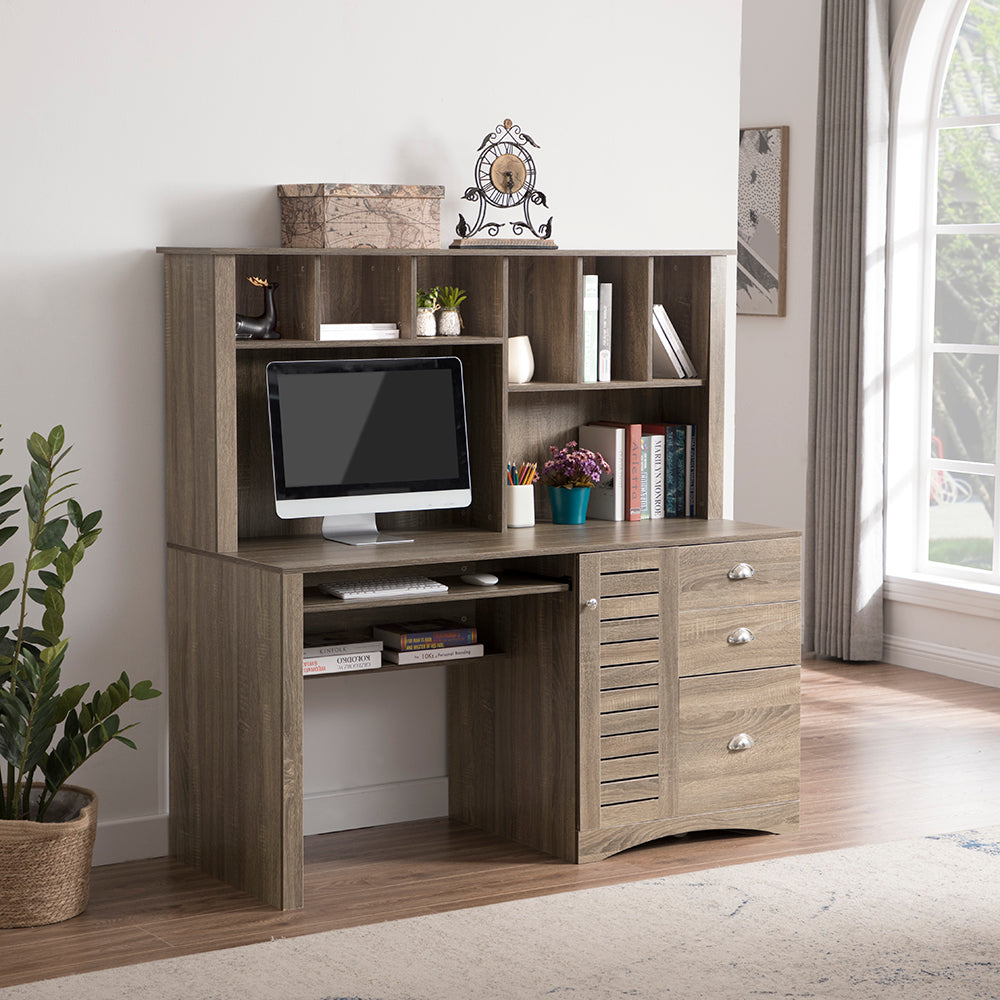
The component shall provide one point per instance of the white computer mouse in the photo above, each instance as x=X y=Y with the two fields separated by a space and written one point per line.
x=480 y=579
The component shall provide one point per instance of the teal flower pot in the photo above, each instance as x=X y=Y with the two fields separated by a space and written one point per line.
x=569 y=504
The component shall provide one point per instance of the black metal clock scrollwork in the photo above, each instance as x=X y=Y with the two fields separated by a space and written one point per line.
x=505 y=179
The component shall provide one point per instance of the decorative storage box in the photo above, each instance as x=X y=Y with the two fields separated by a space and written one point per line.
x=352 y=216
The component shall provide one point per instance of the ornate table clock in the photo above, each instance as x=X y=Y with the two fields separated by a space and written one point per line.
x=505 y=179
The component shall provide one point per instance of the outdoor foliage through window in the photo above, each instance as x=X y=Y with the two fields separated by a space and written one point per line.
x=964 y=359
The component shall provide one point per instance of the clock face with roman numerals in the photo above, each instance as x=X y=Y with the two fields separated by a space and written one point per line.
x=506 y=173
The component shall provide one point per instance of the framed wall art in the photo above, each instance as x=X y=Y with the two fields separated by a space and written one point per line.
x=761 y=226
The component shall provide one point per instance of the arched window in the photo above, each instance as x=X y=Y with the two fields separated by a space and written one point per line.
x=943 y=454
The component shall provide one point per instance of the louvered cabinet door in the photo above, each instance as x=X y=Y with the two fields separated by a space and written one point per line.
x=627 y=688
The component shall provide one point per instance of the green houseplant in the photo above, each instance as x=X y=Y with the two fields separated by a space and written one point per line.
x=449 y=321
x=46 y=731
x=427 y=305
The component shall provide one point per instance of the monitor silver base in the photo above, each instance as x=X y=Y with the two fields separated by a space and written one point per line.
x=357 y=529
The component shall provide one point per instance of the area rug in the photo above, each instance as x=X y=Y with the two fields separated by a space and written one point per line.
x=918 y=919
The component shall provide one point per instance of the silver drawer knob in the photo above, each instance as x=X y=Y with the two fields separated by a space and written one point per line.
x=741 y=571
x=591 y=604
x=740 y=637
x=742 y=742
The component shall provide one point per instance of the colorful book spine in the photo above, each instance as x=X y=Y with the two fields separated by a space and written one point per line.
x=332 y=643
x=403 y=656
x=645 y=486
x=675 y=460
x=604 y=332
x=657 y=452
x=690 y=470
x=341 y=662
x=424 y=635
x=591 y=297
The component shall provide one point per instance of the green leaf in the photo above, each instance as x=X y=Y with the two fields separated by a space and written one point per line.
x=89 y=538
x=52 y=534
x=144 y=691
x=33 y=506
x=5 y=533
x=39 y=449
x=37 y=594
x=50 y=579
x=42 y=559
x=7 y=598
x=6 y=574
x=8 y=494
x=53 y=599
x=91 y=521
x=64 y=567
x=74 y=513
x=52 y=624
x=125 y=740
x=57 y=438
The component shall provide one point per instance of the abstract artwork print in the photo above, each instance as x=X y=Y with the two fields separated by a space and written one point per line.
x=761 y=237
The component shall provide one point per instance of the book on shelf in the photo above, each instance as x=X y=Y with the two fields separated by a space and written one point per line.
x=590 y=323
x=645 y=486
x=672 y=348
x=358 y=331
x=632 y=466
x=425 y=634
x=604 y=332
x=690 y=468
x=331 y=643
x=657 y=456
x=607 y=498
x=404 y=656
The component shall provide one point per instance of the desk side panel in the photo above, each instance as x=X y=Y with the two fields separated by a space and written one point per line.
x=236 y=724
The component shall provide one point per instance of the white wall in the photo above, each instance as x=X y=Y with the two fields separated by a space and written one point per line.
x=130 y=125
x=779 y=79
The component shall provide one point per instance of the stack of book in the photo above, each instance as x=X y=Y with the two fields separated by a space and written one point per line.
x=652 y=470
x=421 y=642
x=338 y=652
x=358 y=331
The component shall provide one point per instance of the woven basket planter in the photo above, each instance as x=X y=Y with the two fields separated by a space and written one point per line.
x=45 y=867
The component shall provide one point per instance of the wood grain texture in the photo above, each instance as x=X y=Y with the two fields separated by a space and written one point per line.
x=715 y=708
x=236 y=724
x=862 y=783
x=705 y=646
x=704 y=581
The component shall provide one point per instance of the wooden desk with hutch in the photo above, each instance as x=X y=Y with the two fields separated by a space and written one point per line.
x=626 y=661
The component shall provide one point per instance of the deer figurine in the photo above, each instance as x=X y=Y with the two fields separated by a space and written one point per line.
x=264 y=326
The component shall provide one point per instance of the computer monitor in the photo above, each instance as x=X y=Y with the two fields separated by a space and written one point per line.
x=354 y=438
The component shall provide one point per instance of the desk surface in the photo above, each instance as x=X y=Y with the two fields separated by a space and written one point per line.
x=312 y=554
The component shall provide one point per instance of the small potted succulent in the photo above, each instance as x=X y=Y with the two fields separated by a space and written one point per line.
x=449 y=322
x=427 y=305
x=47 y=731
x=569 y=474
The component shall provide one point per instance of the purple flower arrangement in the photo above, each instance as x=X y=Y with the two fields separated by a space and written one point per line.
x=572 y=465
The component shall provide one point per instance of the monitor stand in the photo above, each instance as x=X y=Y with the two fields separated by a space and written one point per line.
x=357 y=529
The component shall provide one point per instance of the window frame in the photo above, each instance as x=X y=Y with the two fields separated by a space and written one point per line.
x=925 y=41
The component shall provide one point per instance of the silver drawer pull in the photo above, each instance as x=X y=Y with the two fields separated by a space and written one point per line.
x=740 y=637
x=742 y=742
x=591 y=604
x=741 y=571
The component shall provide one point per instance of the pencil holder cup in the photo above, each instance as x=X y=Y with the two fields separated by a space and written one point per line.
x=520 y=506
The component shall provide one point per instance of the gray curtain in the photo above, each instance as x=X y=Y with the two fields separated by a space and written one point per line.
x=843 y=551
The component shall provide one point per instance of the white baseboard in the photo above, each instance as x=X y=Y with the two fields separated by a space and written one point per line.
x=375 y=805
x=130 y=839
x=961 y=664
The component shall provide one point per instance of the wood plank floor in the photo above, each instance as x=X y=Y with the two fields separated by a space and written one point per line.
x=887 y=753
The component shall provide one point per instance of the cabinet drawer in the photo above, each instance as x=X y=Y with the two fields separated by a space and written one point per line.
x=713 y=576
x=718 y=708
x=761 y=635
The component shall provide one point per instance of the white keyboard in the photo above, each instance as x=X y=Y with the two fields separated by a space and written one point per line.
x=395 y=586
